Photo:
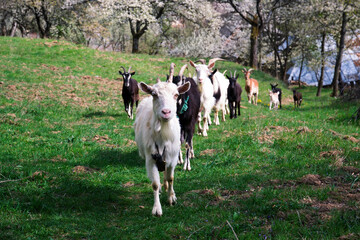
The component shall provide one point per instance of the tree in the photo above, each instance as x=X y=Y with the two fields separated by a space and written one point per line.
x=257 y=13
x=141 y=14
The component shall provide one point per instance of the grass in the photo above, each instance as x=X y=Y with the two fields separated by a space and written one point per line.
x=69 y=167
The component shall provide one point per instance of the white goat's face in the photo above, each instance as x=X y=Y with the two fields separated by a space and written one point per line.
x=202 y=72
x=164 y=98
x=274 y=97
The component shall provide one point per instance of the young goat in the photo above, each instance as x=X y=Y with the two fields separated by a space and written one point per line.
x=251 y=87
x=274 y=99
x=234 y=95
x=157 y=135
x=275 y=89
x=130 y=91
x=297 y=98
x=188 y=106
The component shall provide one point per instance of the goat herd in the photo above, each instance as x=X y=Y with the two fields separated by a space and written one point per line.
x=168 y=116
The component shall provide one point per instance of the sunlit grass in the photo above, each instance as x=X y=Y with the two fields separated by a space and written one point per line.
x=69 y=167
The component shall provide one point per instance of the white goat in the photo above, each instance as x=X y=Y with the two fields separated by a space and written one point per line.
x=213 y=93
x=274 y=99
x=157 y=134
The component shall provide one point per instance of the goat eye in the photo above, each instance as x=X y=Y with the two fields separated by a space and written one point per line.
x=154 y=94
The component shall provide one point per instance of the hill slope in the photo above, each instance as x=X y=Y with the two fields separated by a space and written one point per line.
x=69 y=168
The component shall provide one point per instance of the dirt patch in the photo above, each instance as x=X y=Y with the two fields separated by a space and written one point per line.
x=345 y=137
x=100 y=139
x=209 y=152
x=256 y=117
x=83 y=169
x=311 y=179
x=272 y=132
x=287 y=101
x=128 y=184
x=303 y=130
x=58 y=158
x=130 y=143
x=331 y=153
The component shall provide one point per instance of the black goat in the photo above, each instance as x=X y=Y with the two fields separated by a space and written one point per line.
x=297 y=98
x=188 y=106
x=234 y=95
x=130 y=91
x=275 y=89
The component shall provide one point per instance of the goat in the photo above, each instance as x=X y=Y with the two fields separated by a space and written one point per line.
x=130 y=91
x=297 y=98
x=157 y=135
x=188 y=106
x=234 y=95
x=274 y=99
x=207 y=92
x=275 y=89
x=251 y=87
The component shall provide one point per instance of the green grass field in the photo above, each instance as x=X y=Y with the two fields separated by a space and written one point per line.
x=69 y=166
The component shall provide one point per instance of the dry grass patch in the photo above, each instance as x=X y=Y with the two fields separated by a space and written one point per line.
x=345 y=137
x=83 y=169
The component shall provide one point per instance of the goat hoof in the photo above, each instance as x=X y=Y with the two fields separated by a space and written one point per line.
x=157 y=212
x=172 y=200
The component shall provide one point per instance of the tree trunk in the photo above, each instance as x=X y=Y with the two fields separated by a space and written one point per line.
x=137 y=31
x=335 y=81
x=135 y=44
x=301 y=69
x=321 y=80
x=254 y=45
x=13 y=29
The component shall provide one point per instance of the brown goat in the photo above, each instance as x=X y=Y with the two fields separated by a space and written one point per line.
x=251 y=87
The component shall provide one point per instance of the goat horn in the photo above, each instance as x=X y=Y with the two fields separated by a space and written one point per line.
x=182 y=70
x=158 y=80
x=213 y=60
x=129 y=69
x=251 y=69
x=225 y=72
x=123 y=69
x=203 y=61
x=171 y=72
x=234 y=74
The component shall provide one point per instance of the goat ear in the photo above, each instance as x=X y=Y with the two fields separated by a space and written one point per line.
x=211 y=65
x=227 y=77
x=237 y=76
x=120 y=73
x=192 y=64
x=145 y=88
x=133 y=73
x=184 y=88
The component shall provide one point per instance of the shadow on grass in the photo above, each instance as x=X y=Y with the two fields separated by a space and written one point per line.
x=105 y=157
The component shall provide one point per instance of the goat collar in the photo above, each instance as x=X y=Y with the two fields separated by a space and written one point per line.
x=159 y=159
x=185 y=106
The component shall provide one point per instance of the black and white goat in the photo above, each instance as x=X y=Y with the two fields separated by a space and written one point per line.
x=274 y=89
x=130 y=91
x=297 y=98
x=207 y=90
x=234 y=95
x=188 y=106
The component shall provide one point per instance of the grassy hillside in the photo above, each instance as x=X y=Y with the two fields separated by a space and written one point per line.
x=69 y=167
